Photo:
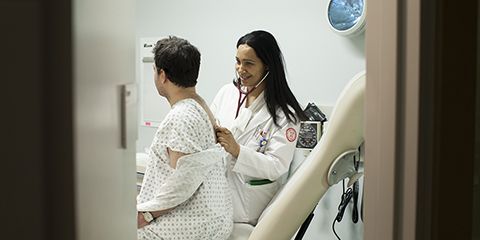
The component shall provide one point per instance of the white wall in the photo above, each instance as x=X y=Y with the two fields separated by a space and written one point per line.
x=319 y=62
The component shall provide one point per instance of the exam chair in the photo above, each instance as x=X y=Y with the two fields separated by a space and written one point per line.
x=304 y=189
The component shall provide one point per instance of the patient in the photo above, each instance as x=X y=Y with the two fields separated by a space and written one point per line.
x=185 y=193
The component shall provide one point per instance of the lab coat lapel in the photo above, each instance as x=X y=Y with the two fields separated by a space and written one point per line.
x=258 y=118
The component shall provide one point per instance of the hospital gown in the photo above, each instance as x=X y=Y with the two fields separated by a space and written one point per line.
x=197 y=188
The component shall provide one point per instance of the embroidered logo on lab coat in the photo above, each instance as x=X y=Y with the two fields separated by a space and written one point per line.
x=291 y=134
x=262 y=141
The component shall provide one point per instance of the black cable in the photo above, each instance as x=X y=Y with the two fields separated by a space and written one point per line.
x=304 y=226
x=345 y=200
x=361 y=209
x=344 y=203
x=333 y=228
x=356 y=189
x=363 y=185
x=346 y=196
x=355 y=200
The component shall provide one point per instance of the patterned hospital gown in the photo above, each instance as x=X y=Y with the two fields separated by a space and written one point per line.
x=207 y=214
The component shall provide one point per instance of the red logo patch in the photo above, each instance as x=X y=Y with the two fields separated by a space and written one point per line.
x=291 y=134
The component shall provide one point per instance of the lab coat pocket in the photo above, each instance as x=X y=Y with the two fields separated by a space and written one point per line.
x=258 y=197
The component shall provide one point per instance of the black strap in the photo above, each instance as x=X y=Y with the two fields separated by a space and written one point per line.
x=304 y=226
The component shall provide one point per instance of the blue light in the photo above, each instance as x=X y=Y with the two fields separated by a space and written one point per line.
x=344 y=14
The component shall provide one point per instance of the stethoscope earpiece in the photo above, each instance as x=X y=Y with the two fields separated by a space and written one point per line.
x=238 y=84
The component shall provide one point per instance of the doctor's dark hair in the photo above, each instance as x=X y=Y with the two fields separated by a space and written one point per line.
x=277 y=93
x=179 y=59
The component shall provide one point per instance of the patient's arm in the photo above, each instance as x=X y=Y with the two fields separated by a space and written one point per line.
x=174 y=156
x=191 y=170
x=141 y=222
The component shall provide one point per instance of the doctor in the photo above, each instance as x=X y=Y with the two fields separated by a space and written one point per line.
x=258 y=121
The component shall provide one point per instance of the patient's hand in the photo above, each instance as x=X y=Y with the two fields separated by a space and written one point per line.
x=141 y=222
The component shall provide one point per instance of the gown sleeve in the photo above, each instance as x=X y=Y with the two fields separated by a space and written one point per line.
x=191 y=172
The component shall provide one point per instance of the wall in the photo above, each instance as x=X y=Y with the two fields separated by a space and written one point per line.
x=319 y=62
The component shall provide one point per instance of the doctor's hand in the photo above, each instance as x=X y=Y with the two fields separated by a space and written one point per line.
x=227 y=141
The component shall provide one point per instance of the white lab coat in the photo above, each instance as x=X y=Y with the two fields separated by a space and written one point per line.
x=266 y=151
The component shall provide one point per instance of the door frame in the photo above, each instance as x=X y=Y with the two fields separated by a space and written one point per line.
x=421 y=69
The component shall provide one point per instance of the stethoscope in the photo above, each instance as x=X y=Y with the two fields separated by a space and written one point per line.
x=241 y=91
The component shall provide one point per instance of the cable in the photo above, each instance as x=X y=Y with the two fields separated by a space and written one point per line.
x=343 y=204
x=361 y=205
x=346 y=196
x=356 y=162
x=333 y=228
x=345 y=200
x=355 y=200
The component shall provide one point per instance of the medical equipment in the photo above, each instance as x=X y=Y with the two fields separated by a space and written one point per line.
x=314 y=113
x=311 y=130
x=309 y=134
x=238 y=84
x=346 y=166
x=347 y=17
x=241 y=91
x=299 y=196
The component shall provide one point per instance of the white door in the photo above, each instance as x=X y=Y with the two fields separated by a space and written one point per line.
x=104 y=60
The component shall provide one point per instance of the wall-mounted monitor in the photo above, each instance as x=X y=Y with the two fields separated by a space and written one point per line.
x=347 y=17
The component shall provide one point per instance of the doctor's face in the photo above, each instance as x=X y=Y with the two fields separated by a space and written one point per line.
x=249 y=67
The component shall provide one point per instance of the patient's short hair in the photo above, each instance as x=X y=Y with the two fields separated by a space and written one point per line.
x=179 y=59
